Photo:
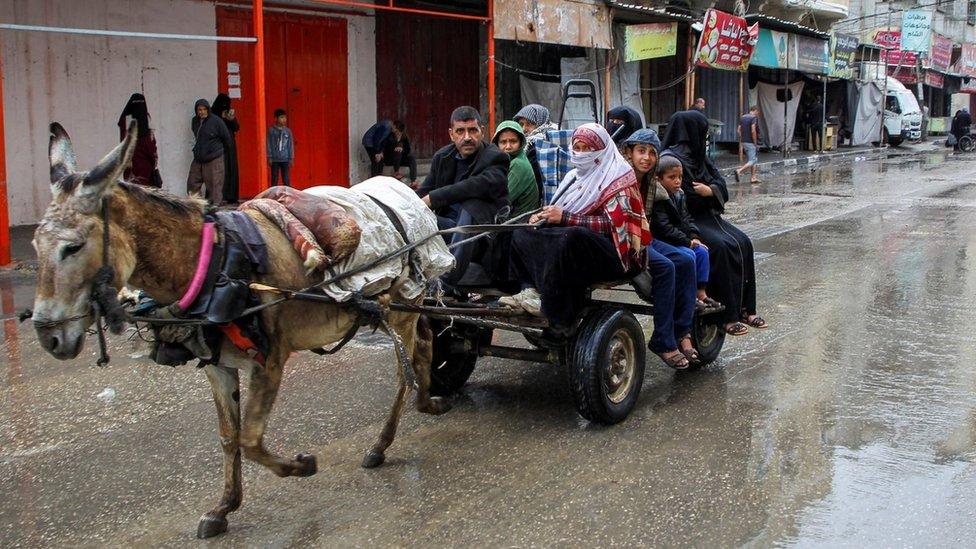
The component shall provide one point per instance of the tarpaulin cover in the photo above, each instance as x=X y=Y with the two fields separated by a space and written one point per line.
x=866 y=115
x=771 y=106
x=380 y=237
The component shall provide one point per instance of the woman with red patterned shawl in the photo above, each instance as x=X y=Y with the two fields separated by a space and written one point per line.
x=594 y=232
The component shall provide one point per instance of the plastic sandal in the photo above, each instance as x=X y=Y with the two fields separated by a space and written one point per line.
x=737 y=329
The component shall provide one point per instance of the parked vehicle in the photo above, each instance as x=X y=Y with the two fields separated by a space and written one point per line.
x=903 y=116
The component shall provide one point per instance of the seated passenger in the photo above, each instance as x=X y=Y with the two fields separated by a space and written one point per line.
x=522 y=190
x=672 y=272
x=467 y=185
x=596 y=232
x=536 y=124
x=622 y=122
x=671 y=223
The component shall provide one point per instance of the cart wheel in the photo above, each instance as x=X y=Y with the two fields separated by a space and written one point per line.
x=967 y=143
x=606 y=365
x=453 y=357
x=707 y=337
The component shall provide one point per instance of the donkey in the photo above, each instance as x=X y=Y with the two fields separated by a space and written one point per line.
x=153 y=243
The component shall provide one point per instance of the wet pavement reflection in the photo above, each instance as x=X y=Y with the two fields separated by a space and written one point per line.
x=849 y=422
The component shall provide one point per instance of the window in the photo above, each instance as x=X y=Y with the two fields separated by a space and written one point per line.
x=971 y=12
x=945 y=6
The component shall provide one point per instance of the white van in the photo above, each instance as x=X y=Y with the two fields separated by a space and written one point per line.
x=903 y=116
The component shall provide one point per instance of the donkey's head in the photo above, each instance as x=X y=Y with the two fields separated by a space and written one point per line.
x=68 y=242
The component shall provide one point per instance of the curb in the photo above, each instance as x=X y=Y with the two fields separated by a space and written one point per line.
x=817 y=158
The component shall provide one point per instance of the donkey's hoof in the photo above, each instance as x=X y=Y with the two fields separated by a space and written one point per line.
x=211 y=526
x=440 y=405
x=307 y=465
x=373 y=459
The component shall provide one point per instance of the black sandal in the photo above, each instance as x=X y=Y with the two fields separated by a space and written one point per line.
x=737 y=329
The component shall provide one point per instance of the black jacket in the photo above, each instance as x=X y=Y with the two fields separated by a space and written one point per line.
x=486 y=180
x=391 y=143
x=670 y=221
x=211 y=136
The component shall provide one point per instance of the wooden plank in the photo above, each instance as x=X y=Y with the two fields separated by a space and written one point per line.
x=583 y=23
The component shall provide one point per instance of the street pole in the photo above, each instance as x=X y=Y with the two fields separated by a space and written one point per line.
x=786 y=112
x=884 y=93
x=491 y=66
x=823 y=117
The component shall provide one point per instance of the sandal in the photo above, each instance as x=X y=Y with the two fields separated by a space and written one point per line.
x=756 y=322
x=678 y=360
x=691 y=354
x=711 y=303
x=737 y=329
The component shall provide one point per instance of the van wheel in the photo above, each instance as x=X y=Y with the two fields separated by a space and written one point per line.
x=606 y=365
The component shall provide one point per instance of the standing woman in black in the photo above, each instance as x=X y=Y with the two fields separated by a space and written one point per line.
x=221 y=108
x=732 y=279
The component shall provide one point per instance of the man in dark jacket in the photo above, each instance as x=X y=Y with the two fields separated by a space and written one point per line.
x=211 y=141
x=467 y=184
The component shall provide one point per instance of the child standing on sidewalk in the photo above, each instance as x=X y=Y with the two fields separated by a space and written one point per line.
x=281 y=148
x=671 y=223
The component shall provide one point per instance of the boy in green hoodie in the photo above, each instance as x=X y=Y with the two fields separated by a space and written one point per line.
x=523 y=193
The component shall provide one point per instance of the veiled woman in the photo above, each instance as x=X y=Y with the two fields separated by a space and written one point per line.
x=733 y=271
x=145 y=160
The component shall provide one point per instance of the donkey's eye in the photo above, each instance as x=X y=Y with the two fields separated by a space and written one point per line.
x=71 y=249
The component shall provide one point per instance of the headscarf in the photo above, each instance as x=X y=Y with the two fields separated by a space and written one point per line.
x=685 y=139
x=595 y=171
x=644 y=136
x=221 y=104
x=523 y=192
x=604 y=183
x=137 y=109
x=633 y=121
x=534 y=113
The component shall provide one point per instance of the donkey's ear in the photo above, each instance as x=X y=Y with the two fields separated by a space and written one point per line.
x=60 y=152
x=110 y=169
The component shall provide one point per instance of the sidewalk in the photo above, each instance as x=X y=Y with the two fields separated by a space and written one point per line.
x=727 y=161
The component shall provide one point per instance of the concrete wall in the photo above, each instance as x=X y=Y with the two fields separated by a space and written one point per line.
x=84 y=81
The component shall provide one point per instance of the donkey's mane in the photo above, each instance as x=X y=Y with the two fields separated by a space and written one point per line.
x=177 y=205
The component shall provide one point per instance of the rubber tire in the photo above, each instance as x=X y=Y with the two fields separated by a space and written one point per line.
x=587 y=360
x=457 y=367
x=967 y=144
x=708 y=339
x=892 y=141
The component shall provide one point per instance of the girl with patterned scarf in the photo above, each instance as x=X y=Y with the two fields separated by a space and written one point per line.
x=594 y=232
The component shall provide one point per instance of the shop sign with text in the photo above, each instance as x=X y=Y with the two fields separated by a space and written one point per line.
x=726 y=42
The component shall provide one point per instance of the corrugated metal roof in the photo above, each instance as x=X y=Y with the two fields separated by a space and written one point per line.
x=656 y=11
x=775 y=23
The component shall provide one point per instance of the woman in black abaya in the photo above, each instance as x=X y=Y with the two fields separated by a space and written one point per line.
x=222 y=108
x=732 y=279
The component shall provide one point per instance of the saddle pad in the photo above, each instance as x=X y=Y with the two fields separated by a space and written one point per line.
x=380 y=237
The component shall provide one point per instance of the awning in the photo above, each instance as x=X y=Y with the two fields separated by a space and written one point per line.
x=777 y=24
x=653 y=13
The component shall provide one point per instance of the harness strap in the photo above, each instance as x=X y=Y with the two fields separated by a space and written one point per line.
x=233 y=332
x=203 y=262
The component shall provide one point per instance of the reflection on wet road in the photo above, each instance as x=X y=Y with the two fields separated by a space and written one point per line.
x=851 y=421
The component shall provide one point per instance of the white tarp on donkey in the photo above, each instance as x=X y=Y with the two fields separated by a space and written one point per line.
x=380 y=237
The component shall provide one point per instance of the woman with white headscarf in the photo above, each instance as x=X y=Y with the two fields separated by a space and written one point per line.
x=595 y=232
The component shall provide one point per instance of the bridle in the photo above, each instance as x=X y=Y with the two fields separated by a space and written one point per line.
x=103 y=301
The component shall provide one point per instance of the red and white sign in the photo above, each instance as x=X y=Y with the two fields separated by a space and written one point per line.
x=726 y=42
x=967 y=61
x=940 y=55
x=892 y=39
x=934 y=79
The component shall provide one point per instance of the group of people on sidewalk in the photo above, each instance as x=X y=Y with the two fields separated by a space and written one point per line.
x=213 y=172
x=645 y=208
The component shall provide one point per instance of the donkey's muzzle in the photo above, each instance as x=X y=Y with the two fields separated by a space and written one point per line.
x=63 y=341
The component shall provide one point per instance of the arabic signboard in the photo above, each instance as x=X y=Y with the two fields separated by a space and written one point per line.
x=892 y=39
x=916 y=30
x=940 y=56
x=934 y=79
x=843 y=47
x=967 y=62
x=726 y=42
x=650 y=41
x=811 y=54
x=772 y=50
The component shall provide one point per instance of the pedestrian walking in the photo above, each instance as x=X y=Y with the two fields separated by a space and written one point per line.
x=211 y=141
x=144 y=169
x=748 y=133
x=222 y=108
x=281 y=149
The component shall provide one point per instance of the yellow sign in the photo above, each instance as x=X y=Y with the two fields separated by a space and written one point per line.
x=650 y=41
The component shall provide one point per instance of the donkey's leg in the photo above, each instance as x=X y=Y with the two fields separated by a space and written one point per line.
x=263 y=390
x=377 y=454
x=422 y=346
x=226 y=394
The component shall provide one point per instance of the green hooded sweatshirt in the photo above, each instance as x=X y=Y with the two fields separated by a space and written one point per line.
x=523 y=192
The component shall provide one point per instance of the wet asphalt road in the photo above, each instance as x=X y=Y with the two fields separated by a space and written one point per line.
x=849 y=422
